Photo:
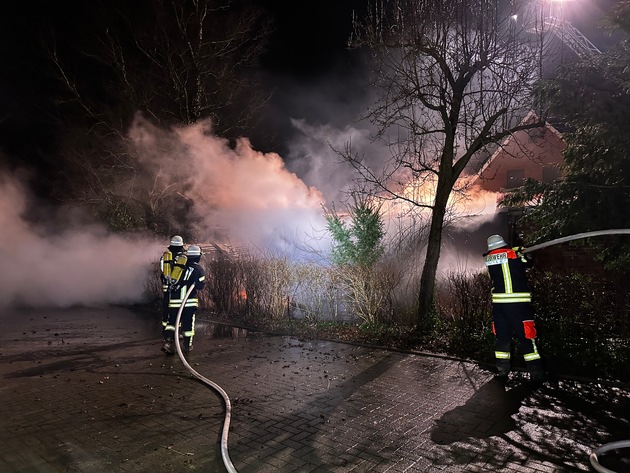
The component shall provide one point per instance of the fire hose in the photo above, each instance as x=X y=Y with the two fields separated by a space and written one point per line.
x=603 y=449
x=226 y=424
x=228 y=407
x=594 y=456
x=622 y=231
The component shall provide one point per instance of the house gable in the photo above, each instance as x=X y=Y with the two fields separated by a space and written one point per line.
x=535 y=153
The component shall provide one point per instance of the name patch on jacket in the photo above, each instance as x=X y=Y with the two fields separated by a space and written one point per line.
x=499 y=258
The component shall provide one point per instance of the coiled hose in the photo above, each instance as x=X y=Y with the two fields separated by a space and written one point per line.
x=621 y=231
x=228 y=406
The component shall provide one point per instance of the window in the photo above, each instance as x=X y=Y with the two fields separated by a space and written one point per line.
x=515 y=178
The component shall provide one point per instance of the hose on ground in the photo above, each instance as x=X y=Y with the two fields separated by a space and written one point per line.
x=228 y=406
x=606 y=448
x=619 y=231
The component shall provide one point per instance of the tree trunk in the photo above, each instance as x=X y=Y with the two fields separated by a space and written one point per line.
x=429 y=271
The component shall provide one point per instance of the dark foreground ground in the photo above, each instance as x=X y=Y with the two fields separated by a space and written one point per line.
x=88 y=390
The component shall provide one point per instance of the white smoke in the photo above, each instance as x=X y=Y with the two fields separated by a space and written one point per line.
x=314 y=155
x=78 y=265
x=246 y=197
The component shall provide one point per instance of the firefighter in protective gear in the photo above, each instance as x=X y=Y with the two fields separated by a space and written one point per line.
x=194 y=275
x=167 y=265
x=512 y=310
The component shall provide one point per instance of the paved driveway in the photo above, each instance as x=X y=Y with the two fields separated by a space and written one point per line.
x=88 y=390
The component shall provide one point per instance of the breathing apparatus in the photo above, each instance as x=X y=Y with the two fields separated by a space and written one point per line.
x=178 y=268
x=167 y=259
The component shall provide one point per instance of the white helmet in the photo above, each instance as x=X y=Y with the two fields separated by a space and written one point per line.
x=194 y=250
x=177 y=241
x=495 y=241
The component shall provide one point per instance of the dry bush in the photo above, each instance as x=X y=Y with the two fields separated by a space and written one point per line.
x=369 y=291
x=268 y=282
x=224 y=283
x=152 y=295
x=316 y=294
x=464 y=311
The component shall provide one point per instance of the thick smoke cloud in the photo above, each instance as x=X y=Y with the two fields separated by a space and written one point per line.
x=59 y=263
x=241 y=196
x=313 y=155
x=244 y=196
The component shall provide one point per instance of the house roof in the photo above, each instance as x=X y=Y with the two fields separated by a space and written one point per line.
x=531 y=117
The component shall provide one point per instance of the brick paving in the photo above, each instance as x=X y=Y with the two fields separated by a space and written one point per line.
x=88 y=390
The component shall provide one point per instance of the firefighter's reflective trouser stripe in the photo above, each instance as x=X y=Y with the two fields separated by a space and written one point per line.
x=534 y=355
x=186 y=332
x=506 y=355
x=186 y=325
x=511 y=297
x=515 y=319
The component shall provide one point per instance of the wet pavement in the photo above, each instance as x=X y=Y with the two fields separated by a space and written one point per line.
x=89 y=390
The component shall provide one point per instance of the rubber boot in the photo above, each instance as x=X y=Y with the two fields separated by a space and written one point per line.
x=168 y=347
x=536 y=371
x=503 y=368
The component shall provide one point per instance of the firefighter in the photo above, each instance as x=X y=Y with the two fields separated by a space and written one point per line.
x=194 y=275
x=512 y=310
x=167 y=265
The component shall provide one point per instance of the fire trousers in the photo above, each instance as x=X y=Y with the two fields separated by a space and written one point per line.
x=165 y=300
x=515 y=319
x=186 y=325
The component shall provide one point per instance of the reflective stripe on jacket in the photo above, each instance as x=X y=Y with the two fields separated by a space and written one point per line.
x=507 y=268
x=193 y=275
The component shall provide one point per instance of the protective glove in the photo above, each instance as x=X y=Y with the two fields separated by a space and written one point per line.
x=525 y=258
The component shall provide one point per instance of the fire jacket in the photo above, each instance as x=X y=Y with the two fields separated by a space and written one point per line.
x=193 y=275
x=507 y=268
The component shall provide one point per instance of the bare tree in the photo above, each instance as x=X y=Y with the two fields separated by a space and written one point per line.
x=190 y=60
x=175 y=62
x=453 y=79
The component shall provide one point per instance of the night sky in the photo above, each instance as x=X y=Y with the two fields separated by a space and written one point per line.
x=310 y=37
x=307 y=51
x=314 y=75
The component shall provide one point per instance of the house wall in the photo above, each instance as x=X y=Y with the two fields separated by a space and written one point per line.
x=535 y=153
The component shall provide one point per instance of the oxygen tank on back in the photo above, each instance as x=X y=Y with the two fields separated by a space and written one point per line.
x=178 y=269
x=167 y=263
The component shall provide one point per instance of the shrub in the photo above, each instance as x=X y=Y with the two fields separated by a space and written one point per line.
x=463 y=314
x=581 y=324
